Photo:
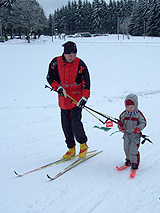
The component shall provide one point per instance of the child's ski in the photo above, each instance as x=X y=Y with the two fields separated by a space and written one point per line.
x=122 y=167
x=133 y=173
x=80 y=160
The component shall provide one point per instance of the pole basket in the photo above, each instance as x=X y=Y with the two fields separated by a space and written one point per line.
x=109 y=124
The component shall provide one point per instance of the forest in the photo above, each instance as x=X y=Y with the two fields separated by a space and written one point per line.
x=134 y=17
x=21 y=18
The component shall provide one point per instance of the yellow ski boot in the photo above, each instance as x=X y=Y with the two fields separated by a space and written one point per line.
x=83 y=150
x=70 y=153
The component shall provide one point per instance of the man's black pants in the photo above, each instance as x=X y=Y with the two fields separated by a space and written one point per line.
x=72 y=126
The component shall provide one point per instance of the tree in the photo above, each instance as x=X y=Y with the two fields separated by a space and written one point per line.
x=87 y=16
x=112 y=19
x=97 y=19
x=7 y=10
x=22 y=16
x=136 y=21
x=32 y=16
x=153 y=19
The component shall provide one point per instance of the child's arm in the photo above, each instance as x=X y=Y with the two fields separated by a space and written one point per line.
x=142 y=121
x=120 y=123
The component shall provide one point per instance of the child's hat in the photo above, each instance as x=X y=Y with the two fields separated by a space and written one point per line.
x=129 y=102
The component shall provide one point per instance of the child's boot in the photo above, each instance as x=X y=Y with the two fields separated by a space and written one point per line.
x=134 y=166
x=83 y=150
x=70 y=153
x=128 y=163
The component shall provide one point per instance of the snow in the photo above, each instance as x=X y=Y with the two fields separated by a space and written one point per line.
x=31 y=134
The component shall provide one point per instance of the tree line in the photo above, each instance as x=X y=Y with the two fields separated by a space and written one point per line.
x=134 y=17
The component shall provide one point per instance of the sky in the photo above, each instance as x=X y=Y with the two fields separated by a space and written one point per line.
x=50 y=5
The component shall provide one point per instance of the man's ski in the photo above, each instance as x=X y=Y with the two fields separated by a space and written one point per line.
x=133 y=173
x=80 y=160
x=50 y=164
x=122 y=167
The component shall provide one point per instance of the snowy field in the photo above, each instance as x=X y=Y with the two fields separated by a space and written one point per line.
x=31 y=134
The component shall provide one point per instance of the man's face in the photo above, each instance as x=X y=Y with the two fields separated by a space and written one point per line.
x=70 y=57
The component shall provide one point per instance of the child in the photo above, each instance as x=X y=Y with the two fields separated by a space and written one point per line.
x=131 y=123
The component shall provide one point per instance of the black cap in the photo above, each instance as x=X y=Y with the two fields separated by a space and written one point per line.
x=69 y=47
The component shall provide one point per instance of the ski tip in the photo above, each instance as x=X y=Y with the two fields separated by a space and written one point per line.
x=133 y=173
x=50 y=177
x=121 y=167
x=17 y=174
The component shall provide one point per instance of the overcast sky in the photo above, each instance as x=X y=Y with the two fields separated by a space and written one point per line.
x=50 y=5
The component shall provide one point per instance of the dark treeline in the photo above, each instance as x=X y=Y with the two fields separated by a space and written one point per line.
x=26 y=17
x=21 y=17
x=128 y=16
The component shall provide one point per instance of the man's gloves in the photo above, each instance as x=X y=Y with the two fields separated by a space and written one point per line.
x=61 y=91
x=122 y=129
x=81 y=103
x=136 y=130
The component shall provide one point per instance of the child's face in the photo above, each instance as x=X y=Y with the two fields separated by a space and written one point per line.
x=130 y=108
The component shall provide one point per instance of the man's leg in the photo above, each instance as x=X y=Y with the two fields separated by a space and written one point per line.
x=78 y=131
x=67 y=128
x=77 y=125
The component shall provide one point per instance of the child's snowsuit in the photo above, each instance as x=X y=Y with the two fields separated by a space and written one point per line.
x=130 y=121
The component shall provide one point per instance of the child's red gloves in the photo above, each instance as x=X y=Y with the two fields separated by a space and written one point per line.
x=136 y=130
x=122 y=129
x=120 y=123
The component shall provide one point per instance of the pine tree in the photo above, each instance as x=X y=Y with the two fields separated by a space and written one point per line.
x=7 y=10
x=153 y=20
x=22 y=16
x=97 y=20
x=87 y=16
x=112 y=20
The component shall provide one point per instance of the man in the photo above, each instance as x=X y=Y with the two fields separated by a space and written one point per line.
x=68 y=75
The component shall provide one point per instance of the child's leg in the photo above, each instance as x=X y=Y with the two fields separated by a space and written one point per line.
x=127 y=147
x=134 y=153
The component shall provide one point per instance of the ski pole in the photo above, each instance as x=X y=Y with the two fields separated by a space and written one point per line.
x=95 y=116
x=86 y=107
x=115 y=120
x=145 y=139
x=75 y=102
x=142 y=136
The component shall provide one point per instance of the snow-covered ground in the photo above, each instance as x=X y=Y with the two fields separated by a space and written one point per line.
x=31 y=134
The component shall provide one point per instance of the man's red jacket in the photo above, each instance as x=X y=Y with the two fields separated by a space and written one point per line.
x=73 y=77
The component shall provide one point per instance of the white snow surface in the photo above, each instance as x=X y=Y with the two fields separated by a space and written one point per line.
x=31 y=134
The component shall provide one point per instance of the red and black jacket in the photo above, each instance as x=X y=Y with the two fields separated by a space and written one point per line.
x=73 y=77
